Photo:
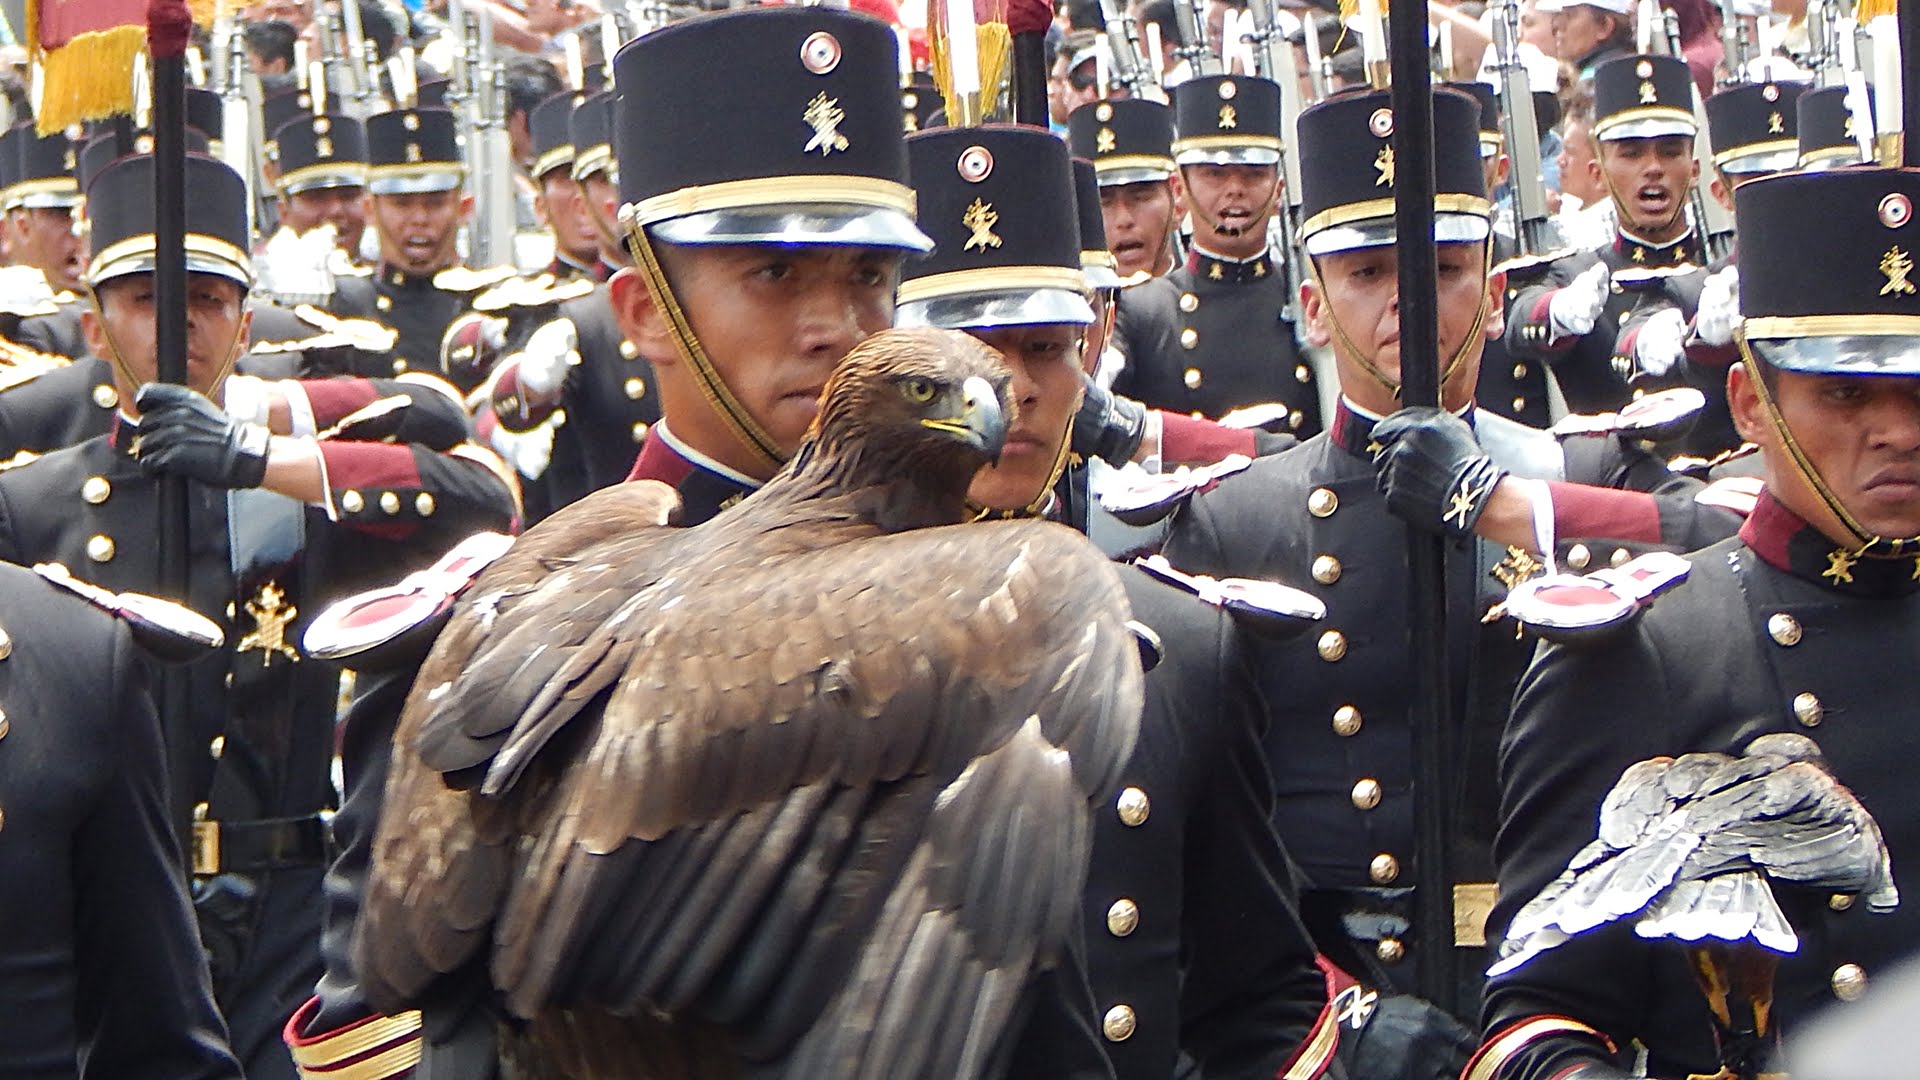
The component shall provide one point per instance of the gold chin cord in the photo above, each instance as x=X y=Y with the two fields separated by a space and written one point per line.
x=235 y=351
x=1871 y=545
x=1042 y=503
x=744 y=427
x=1373 y=371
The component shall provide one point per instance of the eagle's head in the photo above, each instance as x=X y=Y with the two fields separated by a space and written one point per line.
x=930 y=402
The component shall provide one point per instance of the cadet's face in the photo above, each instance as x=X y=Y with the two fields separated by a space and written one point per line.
x=418 y=232
x=1139 y=220
x=601 y=202
x=1231 y=204
x=124 y=326
x=1361 y=290
x=1862 y=435
x=43 y=238
x=1579 y=172
x=1649 y=177
x=1046 y=393
x=566 y=210
x=345 y=208
x=773 y=320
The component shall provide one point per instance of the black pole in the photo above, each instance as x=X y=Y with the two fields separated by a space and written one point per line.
x=1909 y=15
x=1413 y=191
x=169 y=25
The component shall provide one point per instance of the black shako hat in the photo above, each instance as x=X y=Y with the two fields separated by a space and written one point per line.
x=809 y=150
x=1826 y=125
x=550 y=126
x=590 y=131
x=120 y=206
x=316 y=152
x=413 y=150
x=1643 y=97
x=1493 y=138
x=1227 y=120
x=37 y=171
x=1347 y=172
x=999 y=204
x=1101 y=268
x=1754 y=127
x=1830 y=270
x=1128 y=141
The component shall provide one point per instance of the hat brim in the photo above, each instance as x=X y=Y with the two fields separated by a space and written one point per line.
x=1448 y=228
x=1894 y=352
x=1012 y=307
x=414 y=183
x=825 y=224
x=1100 y=276
x=1131 y=175
x=1227 y=155
x=143 y=262
x=1766 y=161
x=355 y=177
x=46 y=202
x=1648 y=127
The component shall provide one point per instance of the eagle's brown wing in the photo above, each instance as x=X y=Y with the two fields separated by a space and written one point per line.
x=759 y=781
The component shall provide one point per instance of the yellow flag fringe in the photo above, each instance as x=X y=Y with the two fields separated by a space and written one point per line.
x=89 y=78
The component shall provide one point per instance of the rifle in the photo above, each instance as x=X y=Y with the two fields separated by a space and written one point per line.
x=1191 y=17
x=1131 y=68
x=1713 y=221
x=1273 y=59
x=242 y=144
x=1319 y=68
x=1735 y=42
x=364 y=89
x=479 y=100
x=1534 y=226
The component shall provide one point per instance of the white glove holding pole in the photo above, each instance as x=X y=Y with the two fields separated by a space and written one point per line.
x=1719 y=307
x=550 y=353
x=1576 y=306
x=1661 y=342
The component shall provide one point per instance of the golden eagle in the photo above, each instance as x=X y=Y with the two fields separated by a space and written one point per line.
x=802 y=791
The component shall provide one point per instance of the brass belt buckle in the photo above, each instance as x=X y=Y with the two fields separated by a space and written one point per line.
x=206 y=847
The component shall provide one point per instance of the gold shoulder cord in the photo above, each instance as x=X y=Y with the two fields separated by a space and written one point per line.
x=1459 y=356
x=1870 y=544
x=744 y=427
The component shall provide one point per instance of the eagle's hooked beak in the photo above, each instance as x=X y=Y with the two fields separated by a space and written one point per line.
x=982 y=415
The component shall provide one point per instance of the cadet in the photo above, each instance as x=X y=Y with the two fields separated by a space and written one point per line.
x=1340 y=746
x=576 y=248
x=100 y=962
x=1213 y=335
x=1806 y=622
x=1577 y=318
x=416 y=187
x=321 y=177
x=41 y=197
x=322 y=517
x=1131 y=146
x=1194 y=946
x=760 y=262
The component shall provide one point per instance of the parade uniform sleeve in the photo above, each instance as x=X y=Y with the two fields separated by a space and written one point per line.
x=395 y=491
x=337 y=1031
x=144 y=1006
x=1192 y=440
x=435 y=416
x=1577 y=724
x=1618 y=492
x=1529 y=332
x=1253 y=1001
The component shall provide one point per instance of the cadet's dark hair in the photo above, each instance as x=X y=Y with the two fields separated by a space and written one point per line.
x=272 y=40
x=530 y=81
x=1160 y=13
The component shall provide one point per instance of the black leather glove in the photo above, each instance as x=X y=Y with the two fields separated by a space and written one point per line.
x=1108 y=426
x=1432 y=471
x=183 y=433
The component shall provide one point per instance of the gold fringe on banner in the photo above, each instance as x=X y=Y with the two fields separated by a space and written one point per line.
x=1868 y=9
x=90 y=77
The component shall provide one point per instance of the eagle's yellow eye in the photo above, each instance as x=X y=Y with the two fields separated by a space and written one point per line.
x=918 y=390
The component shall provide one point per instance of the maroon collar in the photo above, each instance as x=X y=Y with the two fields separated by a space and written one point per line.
x=1784 y=541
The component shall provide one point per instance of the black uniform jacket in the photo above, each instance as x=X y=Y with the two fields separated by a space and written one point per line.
x=99 y=955
x=1763 y=636
x=418 y=306
x=1194 y=943
x=64 y=406
x=1340 y=745
x=1596 y=371
x=1212 y=336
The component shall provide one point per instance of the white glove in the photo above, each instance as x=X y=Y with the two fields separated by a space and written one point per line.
x=1661 y=342
x=529 y=452
x=550 y=353
x=1576 y=306
x=1719 y=307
